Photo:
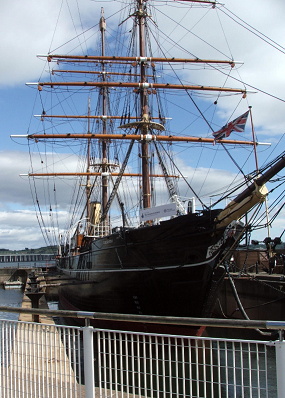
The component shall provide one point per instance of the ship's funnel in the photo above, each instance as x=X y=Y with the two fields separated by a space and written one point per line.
x=95 y=213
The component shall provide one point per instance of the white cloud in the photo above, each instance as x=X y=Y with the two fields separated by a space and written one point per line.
x=35 y=27
x=19 y=229
x=20 y=189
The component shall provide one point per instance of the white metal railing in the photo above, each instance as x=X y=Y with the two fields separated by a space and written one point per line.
x=45 y=361
x=173 y=366
x=39 y=360
x=99 y=230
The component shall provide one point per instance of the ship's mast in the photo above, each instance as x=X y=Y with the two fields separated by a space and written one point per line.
x=144 y=109
x=102 y=25
x=257 y=170
x=88 y=185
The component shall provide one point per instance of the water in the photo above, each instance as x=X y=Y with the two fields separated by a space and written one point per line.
x=10 y=298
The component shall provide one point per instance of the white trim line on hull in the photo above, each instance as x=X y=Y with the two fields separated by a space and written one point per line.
x=69 y=271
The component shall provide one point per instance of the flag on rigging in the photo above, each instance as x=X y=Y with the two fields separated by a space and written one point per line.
x=236 y=125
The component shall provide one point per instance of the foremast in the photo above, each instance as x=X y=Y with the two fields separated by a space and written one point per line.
x=92 y=213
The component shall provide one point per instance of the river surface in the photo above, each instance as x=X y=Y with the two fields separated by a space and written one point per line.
x=10 y=298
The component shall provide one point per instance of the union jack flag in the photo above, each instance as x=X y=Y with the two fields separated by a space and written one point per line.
x=236 y=125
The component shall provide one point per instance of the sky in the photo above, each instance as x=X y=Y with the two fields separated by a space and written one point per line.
x=32 y=27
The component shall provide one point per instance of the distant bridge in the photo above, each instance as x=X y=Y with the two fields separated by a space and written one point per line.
x=19 y=258
x=14 y=265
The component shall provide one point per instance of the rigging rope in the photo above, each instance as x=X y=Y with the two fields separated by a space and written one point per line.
x=172 y=161
x=118 y=180
x=212 y=66
x=201 y=113
x=258 y=34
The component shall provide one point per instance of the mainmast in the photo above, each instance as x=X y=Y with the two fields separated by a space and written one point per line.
x=88 y=185
x=144 y=109
x=102 y=25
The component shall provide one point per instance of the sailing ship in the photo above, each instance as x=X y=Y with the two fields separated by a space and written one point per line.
x=140 y=258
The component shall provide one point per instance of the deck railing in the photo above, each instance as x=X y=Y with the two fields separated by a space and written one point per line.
x=99 y=230
x=39 y=360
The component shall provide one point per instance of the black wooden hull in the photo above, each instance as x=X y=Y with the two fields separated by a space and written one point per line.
x=167 y=270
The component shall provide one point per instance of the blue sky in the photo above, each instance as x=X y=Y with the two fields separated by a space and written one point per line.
x=48 y=23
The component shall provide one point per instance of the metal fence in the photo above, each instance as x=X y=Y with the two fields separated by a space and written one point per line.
x=146 y=365
x=39 y=360
x=42 y=361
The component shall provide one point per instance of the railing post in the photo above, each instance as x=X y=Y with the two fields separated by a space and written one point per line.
x=88 y=354
x=280 y=366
